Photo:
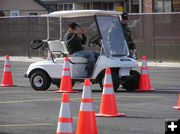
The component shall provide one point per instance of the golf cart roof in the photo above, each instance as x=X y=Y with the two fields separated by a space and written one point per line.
x=80 y=13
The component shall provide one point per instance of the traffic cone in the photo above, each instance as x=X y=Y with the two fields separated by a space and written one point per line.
x=108 y=102
x=65 y=121
x=7 y=80
x=178 y=105
x=86 y=121
x=66 y=81
x=144 y=81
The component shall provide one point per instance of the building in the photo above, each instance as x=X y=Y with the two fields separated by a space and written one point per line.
x=132 y=6
x=150 y=6
x=22 y=7
x=118 y=5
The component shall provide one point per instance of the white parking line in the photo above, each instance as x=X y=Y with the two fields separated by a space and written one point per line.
x=56 y=99
x=27 y=125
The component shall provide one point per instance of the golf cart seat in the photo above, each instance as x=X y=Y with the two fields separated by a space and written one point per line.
x=76 y=60
x=59 y=47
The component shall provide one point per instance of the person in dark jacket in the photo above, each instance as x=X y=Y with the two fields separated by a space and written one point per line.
x=76 y=38
x=127 y=34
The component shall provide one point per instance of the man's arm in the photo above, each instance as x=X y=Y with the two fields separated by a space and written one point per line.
x=129 y=39
x=70 y=38
x=83 y=40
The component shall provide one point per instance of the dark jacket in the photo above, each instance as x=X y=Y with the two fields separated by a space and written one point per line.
x=74 y=42
x=128 y=38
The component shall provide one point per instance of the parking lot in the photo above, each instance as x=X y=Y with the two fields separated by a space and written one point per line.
x=23 y=110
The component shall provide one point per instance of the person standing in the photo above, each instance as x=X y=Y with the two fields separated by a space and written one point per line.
x=127 y=34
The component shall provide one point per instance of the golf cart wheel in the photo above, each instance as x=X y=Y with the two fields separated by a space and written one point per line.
x=115 y=79
x=132 y=82
x=40 y=80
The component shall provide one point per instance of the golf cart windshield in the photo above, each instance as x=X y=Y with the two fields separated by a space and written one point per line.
x=113 y=40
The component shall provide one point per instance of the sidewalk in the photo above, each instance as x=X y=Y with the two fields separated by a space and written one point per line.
x=22 y=58
x=35 y=59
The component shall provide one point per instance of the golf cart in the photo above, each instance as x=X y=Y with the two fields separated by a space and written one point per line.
x=104 y=35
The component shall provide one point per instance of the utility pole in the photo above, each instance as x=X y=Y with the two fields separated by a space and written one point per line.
x=130 y=5
x=140 y=6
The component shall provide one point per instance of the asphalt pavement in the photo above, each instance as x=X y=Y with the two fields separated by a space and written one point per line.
x=25 y=111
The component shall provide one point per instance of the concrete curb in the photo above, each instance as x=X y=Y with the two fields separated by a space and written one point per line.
x=36 y=59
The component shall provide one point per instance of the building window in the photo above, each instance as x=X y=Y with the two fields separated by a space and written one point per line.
x=103 y=6
x=15 y=13
x=97 y=5
x=65 y=6
x=107 y=6
x=2 y=13
x=33 y=13
x=88 y=6
x=162 y=5
x=53 y=6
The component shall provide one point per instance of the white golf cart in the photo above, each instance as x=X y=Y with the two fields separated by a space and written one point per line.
x=104 y=35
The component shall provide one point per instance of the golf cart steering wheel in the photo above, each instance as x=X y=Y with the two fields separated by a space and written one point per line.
x=94 y=41
x=36 y=44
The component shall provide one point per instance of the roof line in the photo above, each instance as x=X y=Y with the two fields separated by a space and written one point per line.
x=44 y=5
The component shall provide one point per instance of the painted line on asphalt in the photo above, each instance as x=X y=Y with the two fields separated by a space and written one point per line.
x=56 y=99
x=27 y=125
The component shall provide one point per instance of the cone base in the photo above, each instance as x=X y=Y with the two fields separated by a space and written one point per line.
x=177 y=107
x=108 y=115
x=145 y=90
x=6 y=85
x=62 y=91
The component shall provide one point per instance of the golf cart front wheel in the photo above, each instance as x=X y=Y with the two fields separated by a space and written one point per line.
x=131 y=83
x=40 y=80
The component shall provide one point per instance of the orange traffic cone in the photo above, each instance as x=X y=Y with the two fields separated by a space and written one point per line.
x=86 y=120
x=108 y=102
x=66 y=81
x=65 y=121
x=144 y=81
x=178 y=105
x=7 y=80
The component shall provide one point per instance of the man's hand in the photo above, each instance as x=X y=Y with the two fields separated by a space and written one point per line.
x=133 y=53
x=82 y=30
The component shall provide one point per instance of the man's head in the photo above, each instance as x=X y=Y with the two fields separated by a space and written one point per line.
x=124 y=17
x=73 y=27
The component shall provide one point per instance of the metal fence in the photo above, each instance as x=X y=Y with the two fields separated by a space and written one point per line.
x=156 y=35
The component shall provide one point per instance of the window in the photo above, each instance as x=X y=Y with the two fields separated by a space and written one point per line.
x=15 y=13
x=65 y=6
x=33 y=13
x=2 y=13
x=162 y=5
x=88 y=6
x=103 y=6
x=53 y=6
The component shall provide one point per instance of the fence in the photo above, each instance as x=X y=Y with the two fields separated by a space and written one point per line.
x=156 y=35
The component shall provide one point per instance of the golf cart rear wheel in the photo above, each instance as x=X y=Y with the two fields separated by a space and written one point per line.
x=131 y=83
x=40 y=80
x=115 y=79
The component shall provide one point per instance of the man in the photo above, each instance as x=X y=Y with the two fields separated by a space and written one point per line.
x=127 y=34
x=75 y=38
